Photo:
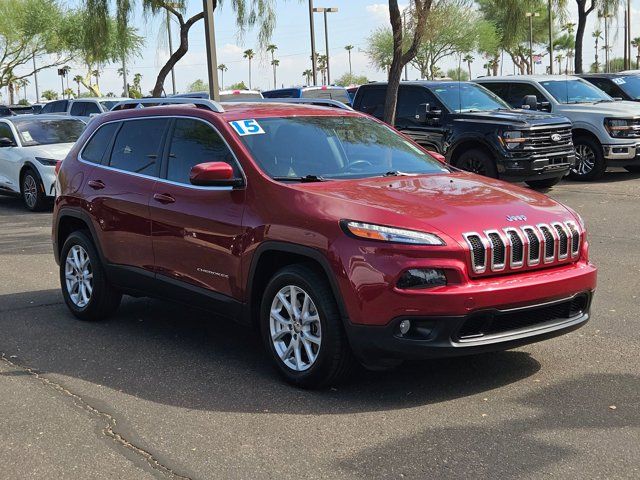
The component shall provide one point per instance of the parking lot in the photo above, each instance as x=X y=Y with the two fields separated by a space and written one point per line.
x=161 y=391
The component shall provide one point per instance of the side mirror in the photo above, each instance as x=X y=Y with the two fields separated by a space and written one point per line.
x=424 y=112
x=7 y=142
x=214 y=174
x=530 y=102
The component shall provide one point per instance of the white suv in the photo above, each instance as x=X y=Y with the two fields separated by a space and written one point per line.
x=30 y=148
x=606 y=133
x=84 y=108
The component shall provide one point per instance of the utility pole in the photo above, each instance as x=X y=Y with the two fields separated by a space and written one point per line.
x=530 y=16
x=404 y=23
x=210 y=41
x=324 y=11
x=125 y=89
x=35 y=76
x=550 y=14
x=313 y=44
x=173 y=73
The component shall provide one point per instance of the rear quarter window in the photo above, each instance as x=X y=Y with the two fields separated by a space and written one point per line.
x=97 y=145
x=137 y=146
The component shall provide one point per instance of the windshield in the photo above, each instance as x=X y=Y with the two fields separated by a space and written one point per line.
x=332 y=148
x=630 y=85
x=339 y=94
x=575 y=91
x=468 y=97
x=109 y=104
x=46 y=132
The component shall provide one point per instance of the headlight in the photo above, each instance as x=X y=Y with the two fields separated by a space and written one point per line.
x=49 y=162
x=622 y=127
x=390 y=234
x=512 y=139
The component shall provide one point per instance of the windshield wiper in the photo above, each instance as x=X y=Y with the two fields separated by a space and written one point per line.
x=396 y=173
x=305 y=179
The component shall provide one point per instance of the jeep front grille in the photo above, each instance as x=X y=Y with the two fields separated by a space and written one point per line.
x=494 y=250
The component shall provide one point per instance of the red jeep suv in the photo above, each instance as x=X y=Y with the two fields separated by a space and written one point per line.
x=336 y=237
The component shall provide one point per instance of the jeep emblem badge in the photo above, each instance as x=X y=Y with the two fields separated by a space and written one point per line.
x=556 y=137
x=516 y=218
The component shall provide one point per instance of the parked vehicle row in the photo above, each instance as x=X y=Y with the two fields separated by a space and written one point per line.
x=335 y=237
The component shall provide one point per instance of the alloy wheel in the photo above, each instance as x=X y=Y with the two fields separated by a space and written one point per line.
x=295 y=329
x=585 y=160
x=474 y=165
x=78 y=276
x=30 y=191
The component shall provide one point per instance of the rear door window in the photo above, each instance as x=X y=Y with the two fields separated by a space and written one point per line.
x=91 y=108
x=77 y=109
x=97 y=146
x=5 y=132
x=372 y=101
x=408 y=100
x=518 y=91
x=137 y=146
x=194 y=142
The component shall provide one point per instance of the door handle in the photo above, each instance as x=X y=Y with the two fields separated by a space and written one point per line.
x=96 y=184
x=163 y=198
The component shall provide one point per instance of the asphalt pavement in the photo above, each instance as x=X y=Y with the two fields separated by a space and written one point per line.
x=162 y=391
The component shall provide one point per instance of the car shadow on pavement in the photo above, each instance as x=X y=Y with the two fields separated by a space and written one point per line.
x=494 y=445
x=183 y=357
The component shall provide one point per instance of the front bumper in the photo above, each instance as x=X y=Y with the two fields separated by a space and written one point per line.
x=537 y=167
x=482 y=331
x=622 y=155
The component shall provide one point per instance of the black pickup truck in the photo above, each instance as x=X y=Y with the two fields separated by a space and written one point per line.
x=477 y=131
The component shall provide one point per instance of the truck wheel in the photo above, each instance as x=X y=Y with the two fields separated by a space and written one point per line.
x=302 y=329
x=633 y=168
x=32 y=191
x=477 y=161
x=546 y=183
x=590 y=162
x=85 y=287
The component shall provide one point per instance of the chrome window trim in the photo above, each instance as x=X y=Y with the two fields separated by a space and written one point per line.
x=552 y=258
x=164 y=180
x=512 y=263
x=567 y=232
x=497 y=267
x=472 y=256
x=532 y=263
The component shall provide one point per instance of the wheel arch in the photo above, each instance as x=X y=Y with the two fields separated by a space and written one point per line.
x=464 y=145
x=582 y=132
x=29 y=165
x=272 y=256
x=69 y=221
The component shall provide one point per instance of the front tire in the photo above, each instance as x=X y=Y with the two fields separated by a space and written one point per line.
x=542 y=184
x=590 y=162
x=477 y=161
x=302 y=329
x=32 y=190
x=85 y=287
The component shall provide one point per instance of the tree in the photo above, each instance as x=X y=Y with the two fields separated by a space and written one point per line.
x=458 y=74
x=349 y=79
x=78 y=79
x=380 y=48
x=468 y=59
x=249 y=54
x=135 y=90
x=198 y=86
x=69 y=93
x=636 y=43
x=247 y=12
x=307 y=74
x=238 y=86
x=597 y=35
x=418 y=13
x=50 y=95
x=322 y=67
x=348 y=48
x=223 y=68
x=275 y=63
x=585 y=8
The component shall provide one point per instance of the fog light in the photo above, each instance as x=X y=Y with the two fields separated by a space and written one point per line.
x=422 y=278
x=405 y=326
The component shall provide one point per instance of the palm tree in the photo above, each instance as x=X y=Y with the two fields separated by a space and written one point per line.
x=275 y=62
x=307 y=74
x=559 y=58
x=271 y=48
x=348 y=48
x=68 y=92
x=223 y=68
x=78 y=79
x=249 y=54
x=96 y=73
x=636 y=43
x=25 y=82
x=597 y=35
x=322 y=67
x=468 y=58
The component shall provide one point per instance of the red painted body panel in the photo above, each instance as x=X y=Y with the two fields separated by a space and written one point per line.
x=218 y=232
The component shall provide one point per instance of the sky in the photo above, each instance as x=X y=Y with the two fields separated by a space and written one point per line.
x=352 y=24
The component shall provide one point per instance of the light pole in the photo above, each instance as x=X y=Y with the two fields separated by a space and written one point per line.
x=606 y=17
x=325 y=10
x=313 y=44
x=530 y=16
x=173 y=73
x=550 y=14
x=210 y=41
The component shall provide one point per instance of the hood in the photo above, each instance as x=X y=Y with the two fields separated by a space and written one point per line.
x=445 y=204
x=622 y=109
x=519 y=118
x=56 y=151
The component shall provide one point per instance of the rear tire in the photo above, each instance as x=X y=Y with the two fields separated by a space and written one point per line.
x=85 y=287
x=590 y=162
x=541 y=184
x=633 y=168
x=32 y=191
x=477 y=161
x=304 y=338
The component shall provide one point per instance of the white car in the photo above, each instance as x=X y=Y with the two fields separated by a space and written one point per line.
x=30 y=148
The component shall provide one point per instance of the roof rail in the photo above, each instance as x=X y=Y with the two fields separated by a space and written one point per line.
x=321 y=102
x=157 y=102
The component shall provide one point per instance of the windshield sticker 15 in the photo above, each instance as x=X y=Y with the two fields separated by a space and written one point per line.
x=247 y=127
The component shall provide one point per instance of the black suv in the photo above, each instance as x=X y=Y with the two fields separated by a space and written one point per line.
x=616 y=85
x=477 y=131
